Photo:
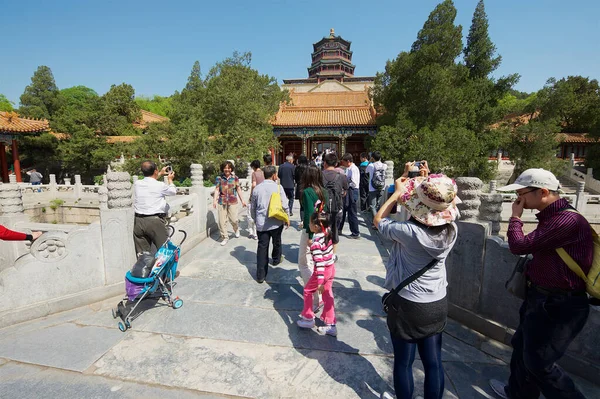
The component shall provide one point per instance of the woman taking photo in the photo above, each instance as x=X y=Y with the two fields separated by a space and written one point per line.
x=420 y=309
x=226 y=195
x=314 y=195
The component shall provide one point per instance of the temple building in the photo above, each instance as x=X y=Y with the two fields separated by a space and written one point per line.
x=331 y=109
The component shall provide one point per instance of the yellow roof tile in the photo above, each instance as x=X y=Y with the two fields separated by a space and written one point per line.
x=11 y=123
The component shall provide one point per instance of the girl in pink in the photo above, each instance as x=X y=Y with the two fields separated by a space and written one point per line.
x=321 y=250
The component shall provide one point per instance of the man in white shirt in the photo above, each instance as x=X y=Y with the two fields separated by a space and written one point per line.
x=351 y=199
x=376 y=171
x=150 y=207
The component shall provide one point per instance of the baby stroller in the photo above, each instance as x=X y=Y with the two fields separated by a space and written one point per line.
x=158 y=284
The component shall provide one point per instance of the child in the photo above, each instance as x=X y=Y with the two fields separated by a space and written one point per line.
x=321 y=250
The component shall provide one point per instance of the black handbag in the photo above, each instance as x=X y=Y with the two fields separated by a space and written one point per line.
x=517 y=282
x=390 y=301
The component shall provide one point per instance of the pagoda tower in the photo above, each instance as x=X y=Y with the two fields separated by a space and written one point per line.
x=331 y=59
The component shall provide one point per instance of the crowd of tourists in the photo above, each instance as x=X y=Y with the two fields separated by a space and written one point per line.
x=553 y=313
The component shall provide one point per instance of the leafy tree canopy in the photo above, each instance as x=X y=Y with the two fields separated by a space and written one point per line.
x=5 y=103
x=118 y=111
x=157 y=105
x=41 y=98
x=479 y=52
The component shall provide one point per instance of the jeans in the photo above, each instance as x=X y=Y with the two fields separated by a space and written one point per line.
x=289 y=193
x=350 y=208
x=262 y=252
x=374 y=201
x=364 y=194
x=430 y=350
x=328 y=315
x=548 y=324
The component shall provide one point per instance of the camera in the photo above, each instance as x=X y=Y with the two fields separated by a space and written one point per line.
x=168 y=169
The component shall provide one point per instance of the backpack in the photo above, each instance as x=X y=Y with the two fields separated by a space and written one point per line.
x=592 y=280
x=336 y=202
x=378 y=179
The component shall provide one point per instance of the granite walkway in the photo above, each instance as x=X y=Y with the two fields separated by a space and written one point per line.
x=234 y=337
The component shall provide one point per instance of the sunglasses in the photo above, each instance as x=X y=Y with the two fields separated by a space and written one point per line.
x=527 y=192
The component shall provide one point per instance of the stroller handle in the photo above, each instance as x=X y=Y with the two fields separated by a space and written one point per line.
x=172 y=232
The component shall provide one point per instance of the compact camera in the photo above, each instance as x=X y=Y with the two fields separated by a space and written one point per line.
x=168 y=169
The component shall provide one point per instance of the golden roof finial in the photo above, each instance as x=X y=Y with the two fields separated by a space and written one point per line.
x=331 y=33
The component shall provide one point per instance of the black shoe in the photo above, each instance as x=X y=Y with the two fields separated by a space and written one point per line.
x=260 y=280
x=291 y=214
x=354 y=236
x=275 y=262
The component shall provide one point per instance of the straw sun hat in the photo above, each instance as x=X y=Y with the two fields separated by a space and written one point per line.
x=432 y=200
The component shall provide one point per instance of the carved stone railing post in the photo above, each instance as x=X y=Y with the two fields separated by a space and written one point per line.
x=199 y=193
x=116 y=222
x=12 y=179
x=52 y=184
x=490 y=210
x=469 y=190
x=580 y=199
x=67 y=181
x=389 y=173
x=249 y=173
x=493 y=186
x=11 y=200
x=78 y=187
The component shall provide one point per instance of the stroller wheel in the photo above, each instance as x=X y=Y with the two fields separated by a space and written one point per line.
x=122 y=327
x=177 y=303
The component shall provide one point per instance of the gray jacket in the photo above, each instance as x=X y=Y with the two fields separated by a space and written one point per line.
x=413 y=248
x=259 y=210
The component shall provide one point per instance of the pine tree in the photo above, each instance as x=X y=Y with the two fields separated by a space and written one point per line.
x=439 y=41
x=479 y=52
x=41 y=98
x=195 y=79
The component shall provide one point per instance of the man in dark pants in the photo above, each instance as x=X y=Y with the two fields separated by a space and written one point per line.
x=364 y=181
x=150 y=207
x=286 y=177
x=351 y=200
x=267 y=228
x=556 y=306
x=339 y=185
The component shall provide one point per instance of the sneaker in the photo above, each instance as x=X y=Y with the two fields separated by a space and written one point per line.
x=225 y=241
x=305 y=323
x=354 y=236
x=328 y=329
x=318 y=307
x=291 y=214
x=499 y=388
x=386 y=395
x=237 y=234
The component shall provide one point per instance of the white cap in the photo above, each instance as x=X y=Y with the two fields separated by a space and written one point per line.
x=540 y=178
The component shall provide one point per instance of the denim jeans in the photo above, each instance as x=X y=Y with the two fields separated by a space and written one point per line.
x=350 y=209
x=430 y=351
x=262 y=253
x=547 y=326
x=374 y=201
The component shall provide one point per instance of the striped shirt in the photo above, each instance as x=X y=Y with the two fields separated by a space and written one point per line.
x=322 y=255
x=556 y=228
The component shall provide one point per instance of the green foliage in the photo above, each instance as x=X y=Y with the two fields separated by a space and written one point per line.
x=80 y=106
x=187 y=182
x=99 y=180
x=5 y=103
x=592 y=160
x=40 y=152
x=479 y=52
x=56 y=203
x=573 y=102
x=434 y=107
x=157 y=105
x=119 y=111
x=534 y=145
x=41 y=98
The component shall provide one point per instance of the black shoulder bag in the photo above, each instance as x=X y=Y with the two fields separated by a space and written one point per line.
x=390 y=301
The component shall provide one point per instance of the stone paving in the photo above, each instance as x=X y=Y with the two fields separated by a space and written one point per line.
x=234 y=337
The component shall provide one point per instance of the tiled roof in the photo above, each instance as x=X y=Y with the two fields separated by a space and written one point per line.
x=11 y=123
x=575 y=138
x=349 y=108
x=149 y=117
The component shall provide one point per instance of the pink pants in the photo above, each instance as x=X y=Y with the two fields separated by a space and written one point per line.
x=328 y=315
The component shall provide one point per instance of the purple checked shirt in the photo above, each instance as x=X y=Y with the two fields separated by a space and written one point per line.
x=556 y=228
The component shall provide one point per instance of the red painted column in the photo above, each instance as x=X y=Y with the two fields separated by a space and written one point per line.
x=16 y=163
x=4 y=166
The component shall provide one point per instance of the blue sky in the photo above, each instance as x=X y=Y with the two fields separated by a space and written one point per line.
x=152 y=45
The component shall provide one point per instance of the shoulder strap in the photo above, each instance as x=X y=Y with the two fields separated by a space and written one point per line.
x=413 y=277
x=569 y=261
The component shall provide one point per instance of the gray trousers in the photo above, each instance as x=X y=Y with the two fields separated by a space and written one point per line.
x=147 y=231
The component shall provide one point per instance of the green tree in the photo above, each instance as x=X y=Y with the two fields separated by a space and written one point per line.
x=479 y=52
x=41 y=98
x=188 y=103
x=157 y=105
x=118 y=111
x=5 y=103
x=80 y=105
